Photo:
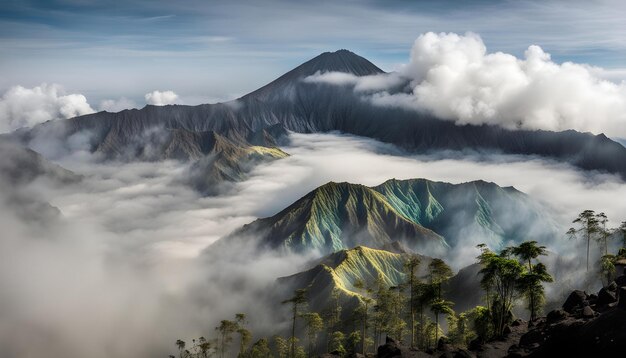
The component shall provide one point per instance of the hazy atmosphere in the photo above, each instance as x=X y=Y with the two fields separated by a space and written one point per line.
x=166 y=166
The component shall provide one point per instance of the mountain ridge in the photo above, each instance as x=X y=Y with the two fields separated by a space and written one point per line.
x=295 y=105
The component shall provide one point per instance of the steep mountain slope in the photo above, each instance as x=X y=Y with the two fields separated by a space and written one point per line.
x=469 y=213
x=220 y=161
x=21 y=167
x=337 y=216
x=421 y=214
x=340 y=270
x=289 y=103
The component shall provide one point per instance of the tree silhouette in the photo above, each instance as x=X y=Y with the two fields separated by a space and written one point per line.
x=226 y=329
x=411 y=266
x=298 y=299
x=181 y=347
x=588 y=226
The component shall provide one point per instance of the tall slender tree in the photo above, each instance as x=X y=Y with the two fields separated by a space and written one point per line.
x=622 y=230
x=531 y=282
x=226 y=329
x=314 y=324
x=245 y=336
x=411 y=266
x=500 y=275
x=297 y=300
x=588 y=226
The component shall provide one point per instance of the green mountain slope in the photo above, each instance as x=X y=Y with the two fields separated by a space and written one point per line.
x=423 y=215
x=340 y=270
x=469 y=213
x=337 y=216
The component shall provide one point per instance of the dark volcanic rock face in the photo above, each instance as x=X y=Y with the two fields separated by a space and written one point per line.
x=289 y=103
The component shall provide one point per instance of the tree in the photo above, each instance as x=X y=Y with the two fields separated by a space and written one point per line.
x=603 y=232
x=245 y=336
x=281 y=347
x=332 y=315
x=480 y=321
x=531 y=285
x=531 y=281
x=500 y=275
x=607 y=267
x=314 y=324
x=180 y=344
x=411 y=266
x=298 y=299
x=337 y=343
x=397 y=301
x=204 y=347
x=440 y=306
x=588 y=226
x=424 y=294
x=226 y=329
x=528 y=251
x=622 y=230
x=361 y=312
x=261 y=349
x=353 y=341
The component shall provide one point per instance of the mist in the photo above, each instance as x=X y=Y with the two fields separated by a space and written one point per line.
x=127 y=268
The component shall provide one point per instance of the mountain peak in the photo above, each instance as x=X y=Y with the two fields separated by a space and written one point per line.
x=339 y=61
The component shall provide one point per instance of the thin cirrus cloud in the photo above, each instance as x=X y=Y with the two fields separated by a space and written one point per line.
x=454 y=77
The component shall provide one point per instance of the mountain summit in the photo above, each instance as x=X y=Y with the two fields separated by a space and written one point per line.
x=291 y=104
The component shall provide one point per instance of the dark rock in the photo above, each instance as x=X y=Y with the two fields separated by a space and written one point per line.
x=622 y=298
x=556 y=316
x=606 y=296
x=534 y=336
x=612 y=286
x=517 y=322
x=507 y=330
x=462 y=353
x=575 y=300
x=588 y=312
x=390 y=349
x=475 y=344
x=620 y=281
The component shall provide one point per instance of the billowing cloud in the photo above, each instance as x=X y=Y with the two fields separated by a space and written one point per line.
x=455 y=78
x=159 y=98
x=25 y=107
x=136 y=234
x=116 y=105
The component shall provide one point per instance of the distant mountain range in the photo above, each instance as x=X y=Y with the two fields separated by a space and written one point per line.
x=423 y=215
x=289 y=103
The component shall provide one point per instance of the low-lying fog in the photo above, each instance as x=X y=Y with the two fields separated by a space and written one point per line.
x=119 y=274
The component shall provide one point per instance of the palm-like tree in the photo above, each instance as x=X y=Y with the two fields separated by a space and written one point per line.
x=298 y=299
x=528 y=251
x=440 y=306
x=589 y=226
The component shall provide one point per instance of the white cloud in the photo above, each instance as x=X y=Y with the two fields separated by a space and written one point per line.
x=116 y=105
x=26 y=107
x=159 y=98
x=455 y=78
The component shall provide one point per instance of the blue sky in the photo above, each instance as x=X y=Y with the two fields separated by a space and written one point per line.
x=213 y=50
